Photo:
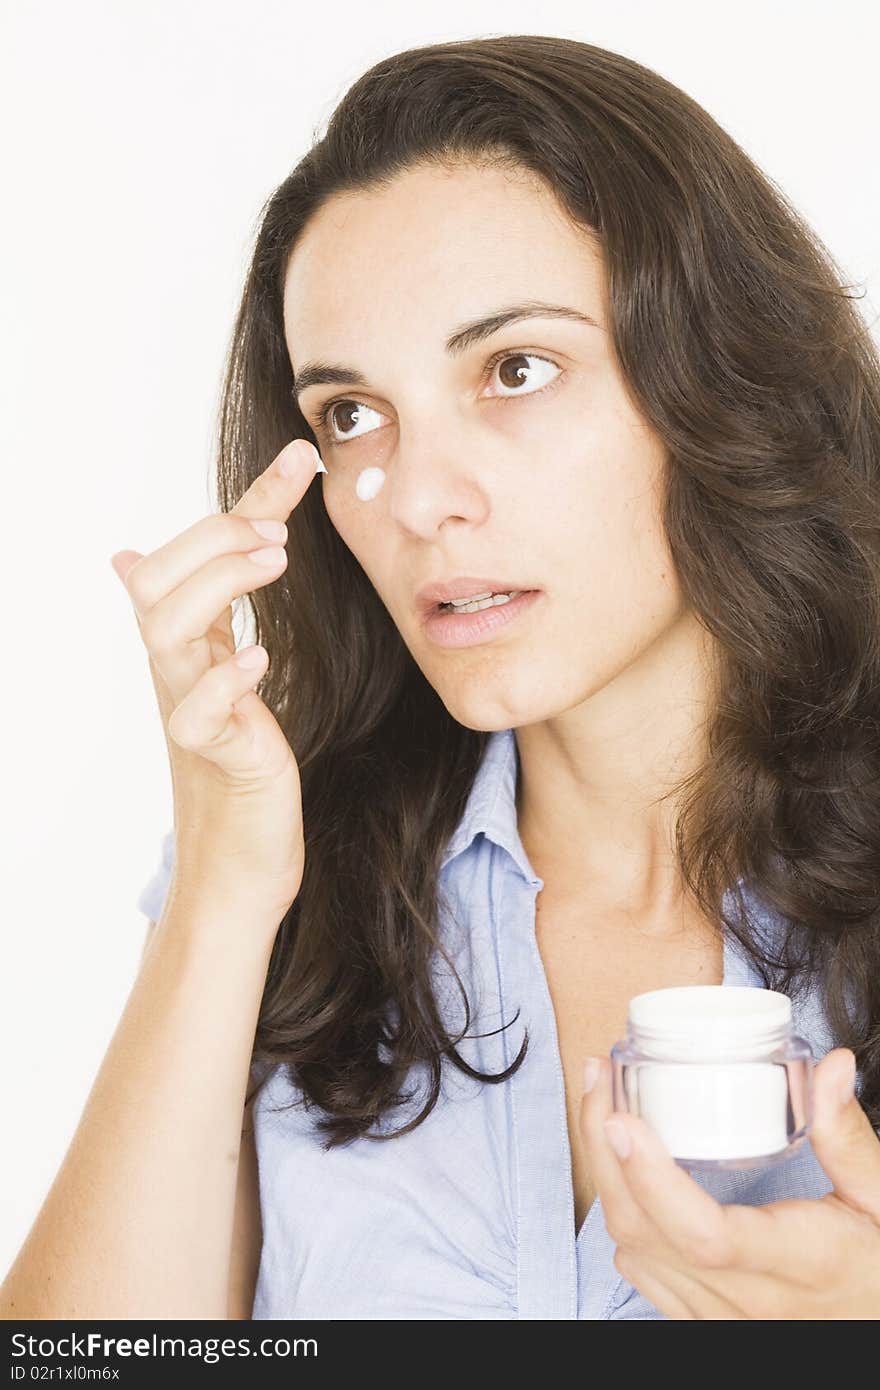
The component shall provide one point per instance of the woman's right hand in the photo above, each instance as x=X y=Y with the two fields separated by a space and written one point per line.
x=237 y=796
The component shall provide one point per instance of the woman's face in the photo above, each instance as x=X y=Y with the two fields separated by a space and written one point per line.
x=482 y=472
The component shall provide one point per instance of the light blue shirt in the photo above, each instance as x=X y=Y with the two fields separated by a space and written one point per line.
x=471 y=1214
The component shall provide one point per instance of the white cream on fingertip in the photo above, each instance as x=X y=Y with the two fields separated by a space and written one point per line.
x=369 y=483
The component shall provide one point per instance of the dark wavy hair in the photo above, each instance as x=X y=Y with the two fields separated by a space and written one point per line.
x=744 y=351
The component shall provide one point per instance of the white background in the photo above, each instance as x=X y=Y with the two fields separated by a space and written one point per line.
x=140 y=140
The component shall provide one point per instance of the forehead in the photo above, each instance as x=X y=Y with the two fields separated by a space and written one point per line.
x=438 y=243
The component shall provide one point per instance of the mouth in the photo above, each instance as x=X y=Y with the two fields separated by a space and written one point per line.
x=480 y=602
x=467 y=593
x=447 y=625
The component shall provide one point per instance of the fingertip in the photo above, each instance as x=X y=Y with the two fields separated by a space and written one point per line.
x=290 y=460
x=118 y=562
x=838 y=1075
x=591 y=1073
x=845 y=1080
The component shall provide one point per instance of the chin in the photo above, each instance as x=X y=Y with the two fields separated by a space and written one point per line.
x=486 y=711
x=493 y=688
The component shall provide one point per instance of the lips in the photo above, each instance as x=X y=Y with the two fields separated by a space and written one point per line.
x=462 y=586
x=455 y=629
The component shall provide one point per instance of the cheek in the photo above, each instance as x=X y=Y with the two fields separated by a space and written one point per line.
x=354 y=521
x=342 y=504
x=611 y=552
x=342 y=508
x=347 y=494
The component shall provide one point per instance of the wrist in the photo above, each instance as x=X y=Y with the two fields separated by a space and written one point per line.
x=211 y=908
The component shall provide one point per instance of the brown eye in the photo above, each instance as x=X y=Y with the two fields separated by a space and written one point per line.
x=515 y=372
x=512 y=371
x=344 y=407
x=336 y=430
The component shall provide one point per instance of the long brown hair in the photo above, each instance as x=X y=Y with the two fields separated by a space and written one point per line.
x=745 y=353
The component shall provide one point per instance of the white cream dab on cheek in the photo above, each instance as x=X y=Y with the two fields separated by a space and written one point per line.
x=369 y=483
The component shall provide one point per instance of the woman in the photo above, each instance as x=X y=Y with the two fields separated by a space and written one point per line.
x=558 y=347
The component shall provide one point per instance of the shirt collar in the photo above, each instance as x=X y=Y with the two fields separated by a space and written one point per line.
x=491 y=809
x=491 y=806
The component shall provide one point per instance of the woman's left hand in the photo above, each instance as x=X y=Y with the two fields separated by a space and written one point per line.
x=693 y=1257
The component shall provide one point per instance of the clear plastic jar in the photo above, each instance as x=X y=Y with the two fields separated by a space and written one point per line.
x=717 y=1072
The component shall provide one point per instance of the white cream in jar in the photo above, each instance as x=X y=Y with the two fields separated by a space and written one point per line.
x=717 y=1072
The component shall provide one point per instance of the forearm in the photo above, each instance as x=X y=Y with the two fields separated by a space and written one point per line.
x=138 y=1221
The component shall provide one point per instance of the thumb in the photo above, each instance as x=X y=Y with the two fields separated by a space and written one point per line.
x=123 y=560
x=842 y=1136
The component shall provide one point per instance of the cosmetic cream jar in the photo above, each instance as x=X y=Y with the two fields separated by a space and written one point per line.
x=717 y=1072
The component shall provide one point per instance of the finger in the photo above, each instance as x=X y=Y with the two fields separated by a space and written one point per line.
x=216 y=719
x=178 y=630
x=182 y=592
x=625 y=1221
x=690 y=1221
x=220 y=634
x=843 y=1139
x=676 y=1293
x=271 y=497
x=787 y=1241
x=123 y=560
x=656 y=1290
x=765 y=1296
x=277 y=490
x=153 y=577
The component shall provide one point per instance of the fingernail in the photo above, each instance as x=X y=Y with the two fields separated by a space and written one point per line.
x=618 y=1137
x=847 y=1088
x=591 y=1073
x=291 y=457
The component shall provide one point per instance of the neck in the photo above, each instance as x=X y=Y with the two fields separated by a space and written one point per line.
x=599 y=787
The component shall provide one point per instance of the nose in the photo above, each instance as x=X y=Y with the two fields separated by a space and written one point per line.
x=435 y=479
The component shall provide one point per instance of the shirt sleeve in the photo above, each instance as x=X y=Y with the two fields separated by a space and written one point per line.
x=152 y=895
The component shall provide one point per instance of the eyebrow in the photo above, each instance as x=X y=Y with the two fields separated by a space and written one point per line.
x=320 y=373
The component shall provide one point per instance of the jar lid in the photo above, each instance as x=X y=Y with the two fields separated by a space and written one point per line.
x=710 y=1016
